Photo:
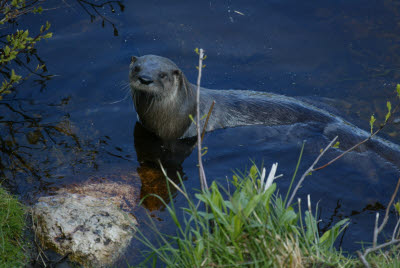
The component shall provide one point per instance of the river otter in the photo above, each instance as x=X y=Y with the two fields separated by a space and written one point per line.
x=164 y=99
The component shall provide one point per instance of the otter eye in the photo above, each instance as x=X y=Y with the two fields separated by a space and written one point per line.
x=136 y=69
x=162 y=75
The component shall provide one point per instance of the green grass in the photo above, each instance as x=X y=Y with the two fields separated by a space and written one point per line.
x=251 y=227
x=12 y=223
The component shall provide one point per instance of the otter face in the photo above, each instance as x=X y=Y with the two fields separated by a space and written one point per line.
x=155 y=75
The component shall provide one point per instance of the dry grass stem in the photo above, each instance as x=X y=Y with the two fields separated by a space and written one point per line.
x=172 y=182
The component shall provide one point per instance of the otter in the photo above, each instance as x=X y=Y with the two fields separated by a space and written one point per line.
x=164 y=99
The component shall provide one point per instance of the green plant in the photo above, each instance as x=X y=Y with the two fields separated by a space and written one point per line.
x=251 y=227
x=18 y=43
x=12 y=223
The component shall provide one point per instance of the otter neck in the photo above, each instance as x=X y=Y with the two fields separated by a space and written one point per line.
x=167 y=117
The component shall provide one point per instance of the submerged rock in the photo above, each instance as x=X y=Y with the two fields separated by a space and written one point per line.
x=93 y=231
x=124 y=196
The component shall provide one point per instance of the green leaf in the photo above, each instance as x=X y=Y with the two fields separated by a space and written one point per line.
x=253 y=172
x=311 y=224
x=174 y=217
x=397 y=207
x=329 y=237
x=206 y=216
x=14 y=78
x=201 y=197
x=251 y=205
x=199 y=245
x=371 y=123
x=192 y=119
x=289 y=217
x=235 y=180
x=237 y=225
x=14 y=3
x=6 y=50
x=38 y=10
x=398 y=90
x=48 y=35
x=336 y=145
x=389 y=106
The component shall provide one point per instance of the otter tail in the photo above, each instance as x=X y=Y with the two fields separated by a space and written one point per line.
x=349 y=135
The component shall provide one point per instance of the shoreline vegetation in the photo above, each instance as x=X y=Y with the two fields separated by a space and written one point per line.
x=257 y=227
x=17 y=49
x=12 y=225
x=251 y=227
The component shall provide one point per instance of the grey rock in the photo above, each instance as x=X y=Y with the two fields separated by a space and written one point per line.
x=92 y=230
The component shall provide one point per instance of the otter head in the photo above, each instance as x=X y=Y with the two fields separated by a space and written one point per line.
x=154 y=75
x=162 y=96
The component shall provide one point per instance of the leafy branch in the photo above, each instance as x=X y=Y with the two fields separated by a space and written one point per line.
x=332 y=144
x=371 y=122
x=19 y=42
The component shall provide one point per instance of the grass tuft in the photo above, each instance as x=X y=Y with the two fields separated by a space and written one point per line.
x=12 y=223
x=250 y=227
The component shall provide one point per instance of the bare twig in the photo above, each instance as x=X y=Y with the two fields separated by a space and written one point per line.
x=308 y=171
x=202 y=175
x=394 y=235
x=385 y=219
x=391 y=242
x=375 y=237
x=362 y=259
x=378 y=229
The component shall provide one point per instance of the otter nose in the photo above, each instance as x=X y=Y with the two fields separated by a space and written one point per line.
x=144 y=79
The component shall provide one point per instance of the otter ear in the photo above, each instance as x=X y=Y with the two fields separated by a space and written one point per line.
x=177 y=73
x=133 y=59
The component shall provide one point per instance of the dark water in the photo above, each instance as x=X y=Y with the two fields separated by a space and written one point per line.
x=74 y=126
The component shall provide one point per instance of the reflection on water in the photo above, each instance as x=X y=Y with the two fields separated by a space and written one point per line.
x=151 y=152
x=95 y=10
x=68 y=129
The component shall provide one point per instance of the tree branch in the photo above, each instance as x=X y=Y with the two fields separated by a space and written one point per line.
x=308 y=171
